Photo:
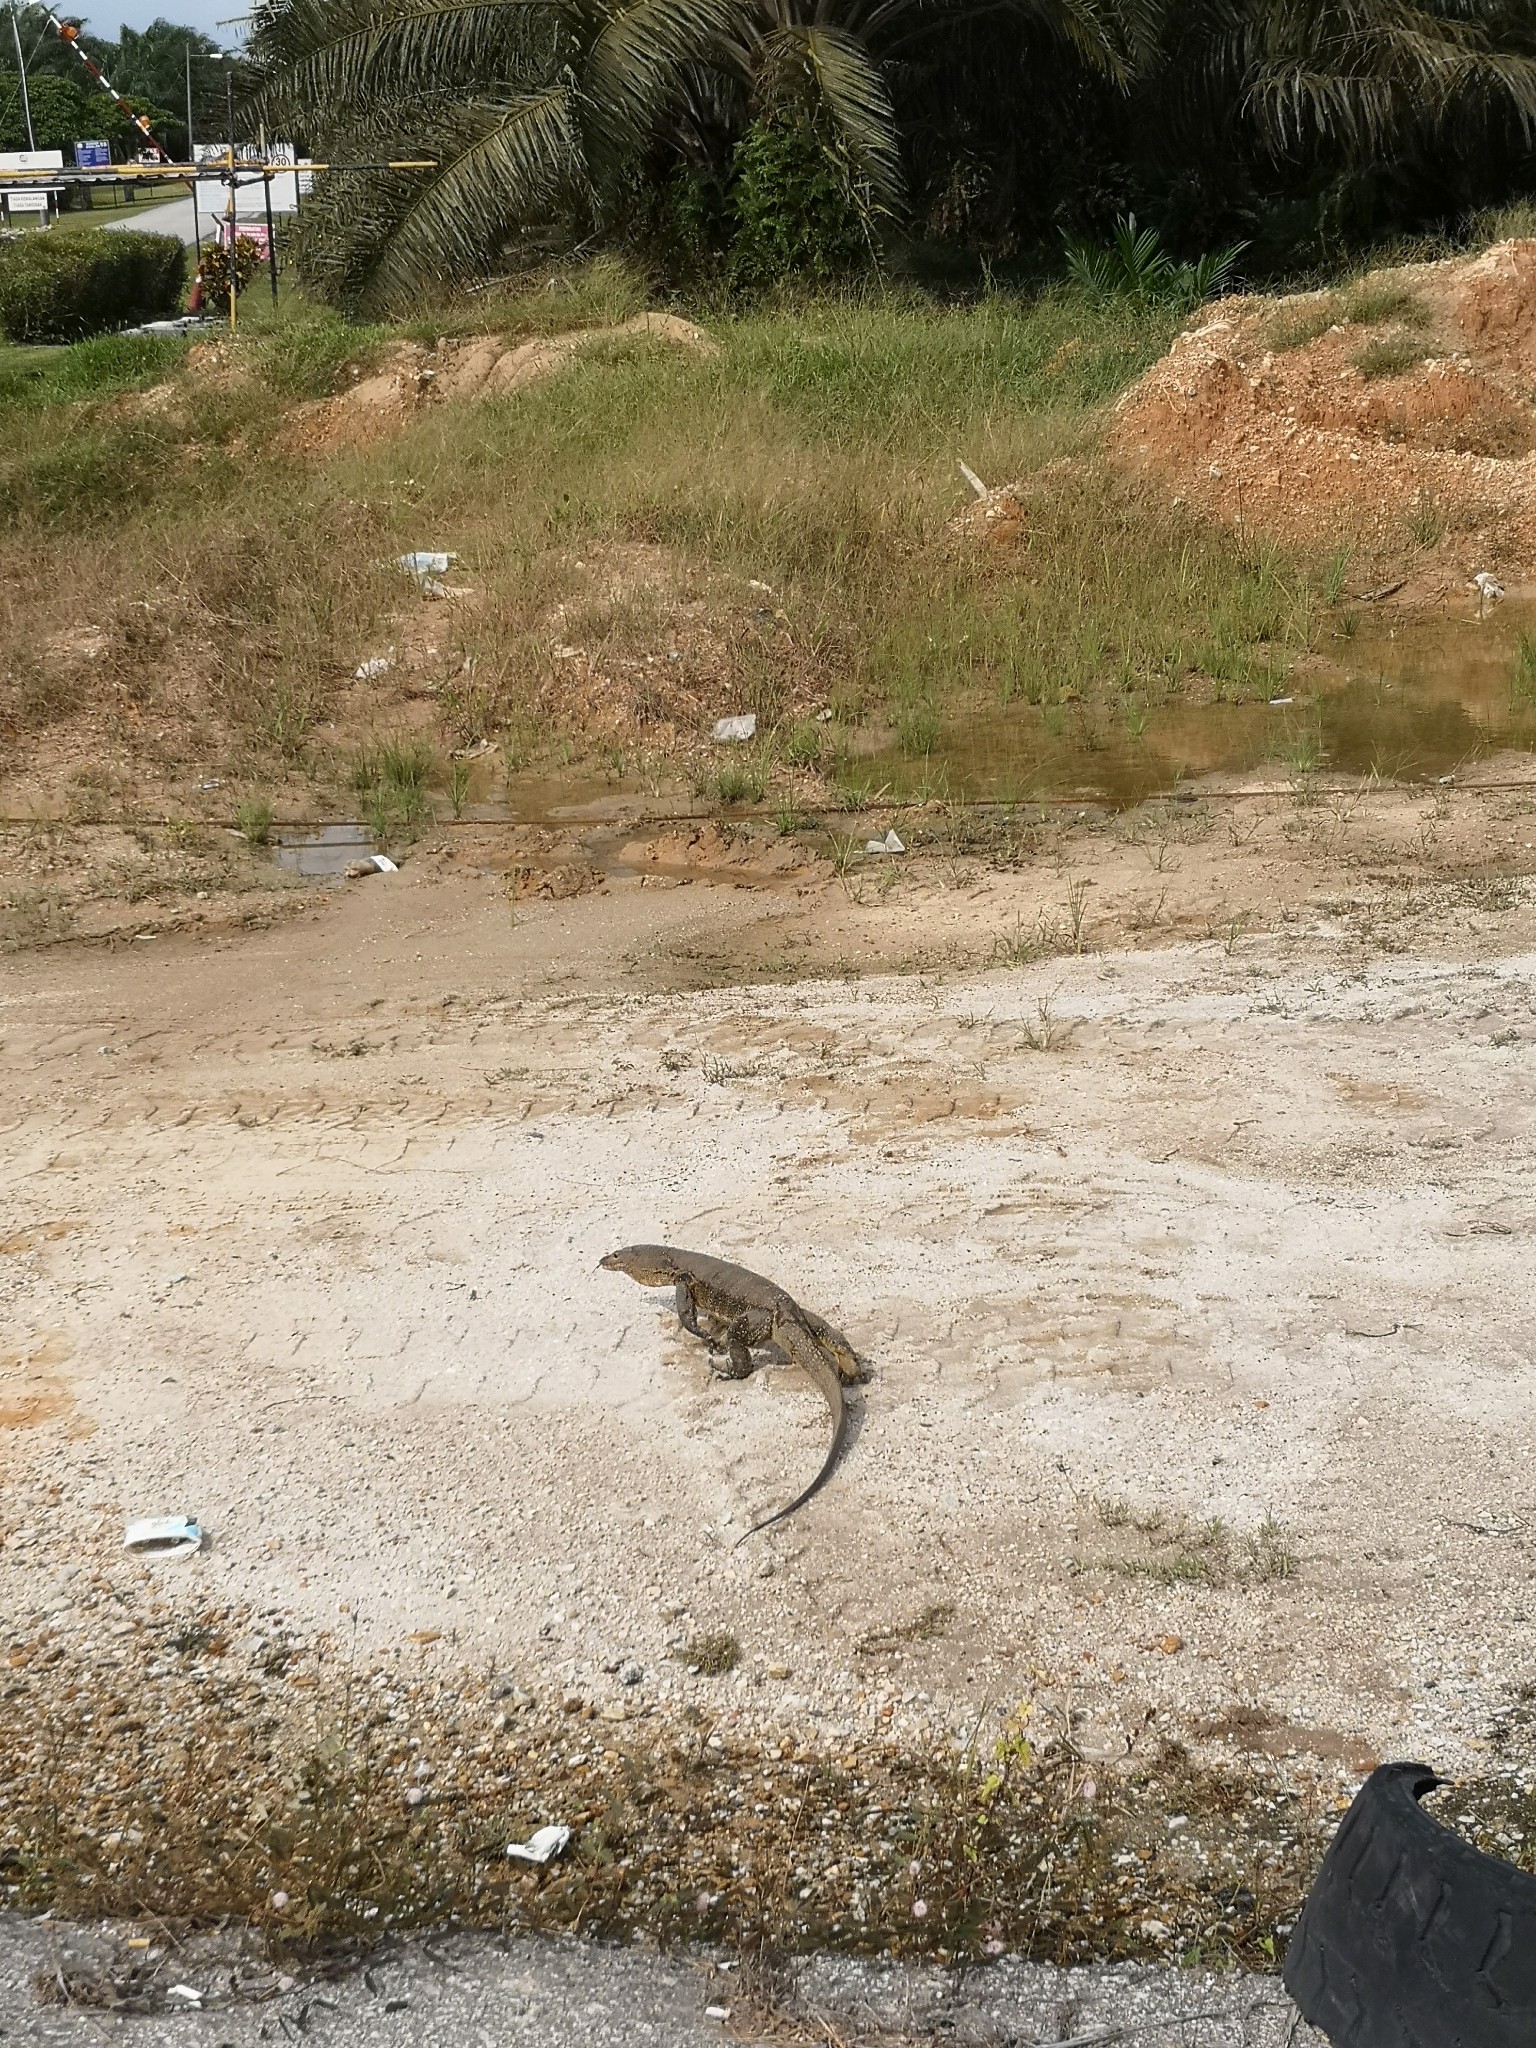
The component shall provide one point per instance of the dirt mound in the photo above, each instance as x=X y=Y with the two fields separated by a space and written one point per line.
x=413 y=376
x=1396 y=415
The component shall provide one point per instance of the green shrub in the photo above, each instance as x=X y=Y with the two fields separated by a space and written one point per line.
x=1135 y=265
x=61 y=287
x=797 y=210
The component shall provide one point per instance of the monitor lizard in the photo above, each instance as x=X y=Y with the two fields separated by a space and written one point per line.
x=741 y=1309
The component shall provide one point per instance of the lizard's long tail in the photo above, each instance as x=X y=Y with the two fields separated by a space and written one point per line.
x=805 y=1350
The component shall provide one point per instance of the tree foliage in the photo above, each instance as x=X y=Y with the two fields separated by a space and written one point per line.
x=769 y=136
x=64 y=113
x=570 y=116
x=149 y=67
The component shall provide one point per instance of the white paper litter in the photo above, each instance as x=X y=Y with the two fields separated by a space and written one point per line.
x=385 y=865
x=163 y=1536
x=424 y=562
x=375 y=665
x=743 y=728
x=889 y=844
x=186 y=1991
x=540 y=1846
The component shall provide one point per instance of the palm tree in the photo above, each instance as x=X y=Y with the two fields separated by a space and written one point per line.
x=1356 y=80
x=554 y=113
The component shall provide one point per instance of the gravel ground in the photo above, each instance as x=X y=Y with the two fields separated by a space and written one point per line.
x=472 y=1990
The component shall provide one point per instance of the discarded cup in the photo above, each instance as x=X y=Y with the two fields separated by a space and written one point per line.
x=540 y=1846
x=743 y=728
x=169 y=1536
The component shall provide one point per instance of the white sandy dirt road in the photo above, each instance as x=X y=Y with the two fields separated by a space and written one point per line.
x=301 y=1235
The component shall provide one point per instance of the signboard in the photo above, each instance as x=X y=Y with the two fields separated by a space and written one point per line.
x=92 y=156
x=247 y=231
x=31 y=160
x=35 y=201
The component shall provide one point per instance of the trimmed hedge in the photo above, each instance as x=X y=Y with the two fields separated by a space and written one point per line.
x=59 y=286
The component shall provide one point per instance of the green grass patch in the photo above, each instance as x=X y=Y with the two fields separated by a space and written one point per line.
x=1369 y=303
x=1390 y=355
x=1375 y=301
x=312 y=355
x=100 y=368
x=815 y=456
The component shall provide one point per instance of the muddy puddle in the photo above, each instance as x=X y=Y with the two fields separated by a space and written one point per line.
x=1411 y=703
x=327 y=851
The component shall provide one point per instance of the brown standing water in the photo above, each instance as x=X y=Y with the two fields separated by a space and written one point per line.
x=1412 y=702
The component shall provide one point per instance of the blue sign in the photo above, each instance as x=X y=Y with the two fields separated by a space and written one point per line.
x=92 y=156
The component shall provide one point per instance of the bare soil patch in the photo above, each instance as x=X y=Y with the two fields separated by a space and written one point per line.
x=414 y=376
x=1191 y=1468
x=1397 y=418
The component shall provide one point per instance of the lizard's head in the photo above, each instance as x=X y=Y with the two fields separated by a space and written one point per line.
x=653 y=1265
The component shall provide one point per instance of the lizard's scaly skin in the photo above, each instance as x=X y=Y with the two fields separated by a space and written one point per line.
x=752 y=1310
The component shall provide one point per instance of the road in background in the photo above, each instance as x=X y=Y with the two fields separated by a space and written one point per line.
x=176 y=216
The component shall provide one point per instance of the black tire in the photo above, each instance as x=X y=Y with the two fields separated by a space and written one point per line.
x=1410 y=1937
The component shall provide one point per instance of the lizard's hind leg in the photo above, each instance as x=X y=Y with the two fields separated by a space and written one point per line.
x=738 y=1344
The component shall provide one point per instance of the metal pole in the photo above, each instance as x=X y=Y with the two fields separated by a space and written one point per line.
x=266 y=187
x=197 y=230
x=229 y=101
x=21 y=72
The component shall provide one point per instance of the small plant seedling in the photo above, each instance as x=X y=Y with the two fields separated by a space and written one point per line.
x=1303 y=754
x=458 y=786
x=1426 y=522
x=1269 y=1554
x=1077 y=910
x=1018 y=947
x=739 y=782
x=803 y=748
x=711 y=1654
x=917 y=730
x=254 y=820
x=1390 y=355
x=1047 y=1033
x=845 y=848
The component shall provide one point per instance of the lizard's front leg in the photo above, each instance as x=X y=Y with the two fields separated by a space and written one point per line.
x=687 y=1310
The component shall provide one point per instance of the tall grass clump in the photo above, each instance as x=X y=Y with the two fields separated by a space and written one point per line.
x=390 y=780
